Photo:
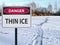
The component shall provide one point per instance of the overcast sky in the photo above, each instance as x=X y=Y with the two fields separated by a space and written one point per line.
x=40 y=3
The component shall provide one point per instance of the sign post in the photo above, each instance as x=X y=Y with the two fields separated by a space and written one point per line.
x=16 y=17
x=15 y=36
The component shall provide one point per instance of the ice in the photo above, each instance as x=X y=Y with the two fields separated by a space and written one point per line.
x=50 y=34
x=51 y=31
x=7 y=36
x=29 y=36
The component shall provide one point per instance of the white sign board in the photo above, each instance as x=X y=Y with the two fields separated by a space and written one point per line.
x=16 y=16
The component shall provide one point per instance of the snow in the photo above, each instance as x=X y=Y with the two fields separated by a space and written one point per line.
x=51 y=32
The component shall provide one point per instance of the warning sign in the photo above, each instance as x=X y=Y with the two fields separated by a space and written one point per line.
x=16 y=16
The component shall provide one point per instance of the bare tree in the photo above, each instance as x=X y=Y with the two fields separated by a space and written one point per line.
x=50 y=8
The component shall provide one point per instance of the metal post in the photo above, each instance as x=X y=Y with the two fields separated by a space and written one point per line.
x=15 y=36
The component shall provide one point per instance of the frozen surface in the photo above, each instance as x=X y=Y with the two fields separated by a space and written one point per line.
x=7 y=36
x=51 y=32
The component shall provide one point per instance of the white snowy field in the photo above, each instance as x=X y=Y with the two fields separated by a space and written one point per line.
x=51 y=31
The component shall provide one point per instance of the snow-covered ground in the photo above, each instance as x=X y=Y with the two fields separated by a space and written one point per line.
x=51 y=31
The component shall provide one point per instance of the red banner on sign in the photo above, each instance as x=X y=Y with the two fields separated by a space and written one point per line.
x=16 y=10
